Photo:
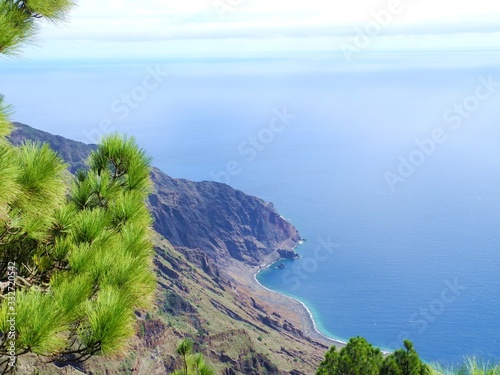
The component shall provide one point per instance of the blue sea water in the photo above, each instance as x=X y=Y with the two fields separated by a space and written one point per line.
x=388 y=166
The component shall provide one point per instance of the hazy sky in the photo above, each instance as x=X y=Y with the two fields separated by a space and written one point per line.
x=165 y=28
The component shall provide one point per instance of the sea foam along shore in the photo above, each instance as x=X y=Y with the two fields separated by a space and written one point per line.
x=309 y=327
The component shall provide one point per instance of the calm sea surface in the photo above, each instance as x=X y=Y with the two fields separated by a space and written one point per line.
x=389 y=167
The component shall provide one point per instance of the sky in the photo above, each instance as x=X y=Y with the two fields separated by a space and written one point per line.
x=222 y=28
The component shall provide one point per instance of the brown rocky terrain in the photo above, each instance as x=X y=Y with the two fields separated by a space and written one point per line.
x=224 y=223
x=210 y=241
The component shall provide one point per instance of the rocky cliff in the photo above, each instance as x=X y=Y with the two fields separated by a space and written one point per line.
x=223 y=222
x=206 y=291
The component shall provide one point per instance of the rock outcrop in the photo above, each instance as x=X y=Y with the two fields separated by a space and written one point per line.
x=223 y=222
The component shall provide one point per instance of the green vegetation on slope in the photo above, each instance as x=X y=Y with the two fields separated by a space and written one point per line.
x=192 y=363
x=74 y=269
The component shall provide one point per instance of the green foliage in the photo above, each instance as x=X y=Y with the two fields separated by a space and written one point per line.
x=70 y=294
x=472 y=366
x=19 y=20
x=36 y=177
x=39 y=324
x=109 y=323
x=41 y=184
x=185 y=347
x=359 y=357
x=330 y=365
x=53 y=10
x=405 y=362
x=16 y=26
x=5 y=125
x=9 y=169
x=125 y=162
x=82 y=269
x=192 y=364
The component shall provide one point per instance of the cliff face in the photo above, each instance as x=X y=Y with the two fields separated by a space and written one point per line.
x=210 y=225
x=223 y=222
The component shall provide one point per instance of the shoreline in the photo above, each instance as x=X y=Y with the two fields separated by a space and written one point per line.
x=308 y=314
x=314 y=332
x=309 y=326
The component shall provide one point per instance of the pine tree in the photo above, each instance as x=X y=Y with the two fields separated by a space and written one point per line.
x=192 y=364
x=358 y=357
x=82 y=264
x=330 y=365
x=20 y=19
x=405 y=362
x=75 y=261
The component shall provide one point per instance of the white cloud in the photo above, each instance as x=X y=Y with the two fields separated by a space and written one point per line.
x=189 y=21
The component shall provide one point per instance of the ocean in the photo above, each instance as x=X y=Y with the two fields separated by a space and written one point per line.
x=388 y=166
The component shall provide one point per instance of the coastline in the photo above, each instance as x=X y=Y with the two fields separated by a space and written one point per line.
x=307 y=314
x=309 y=326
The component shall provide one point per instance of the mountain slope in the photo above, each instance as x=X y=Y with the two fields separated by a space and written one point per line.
x=223 y=222
x=206 y=288
x=74 y=153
